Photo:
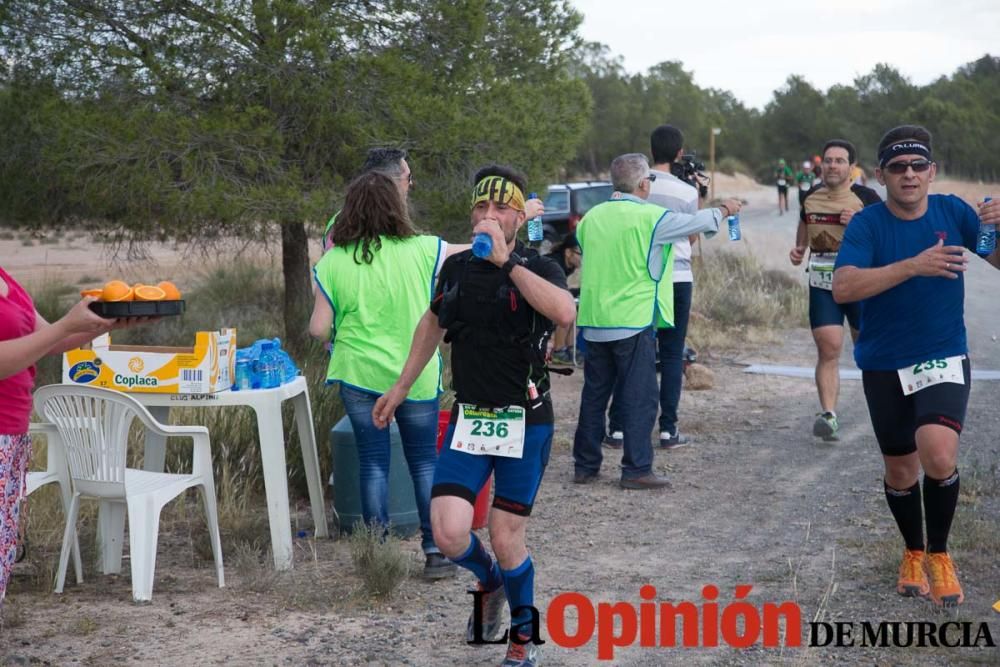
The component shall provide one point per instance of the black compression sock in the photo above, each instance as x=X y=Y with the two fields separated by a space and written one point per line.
x=940 y=500
x=905 y=507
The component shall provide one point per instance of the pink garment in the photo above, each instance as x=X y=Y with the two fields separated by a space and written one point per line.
x=17 y=319
x=15 y=451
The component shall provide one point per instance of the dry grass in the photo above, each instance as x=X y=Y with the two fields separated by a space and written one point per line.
x=741 y=303
x=379 y=559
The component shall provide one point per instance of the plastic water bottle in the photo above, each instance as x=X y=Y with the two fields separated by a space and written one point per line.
x=270 y=366
x=734 y=227
x=482 y=245
x=244 y=375
x=535 y=230
x=987 y=241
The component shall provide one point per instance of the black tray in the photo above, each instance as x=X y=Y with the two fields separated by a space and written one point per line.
x=111 y=309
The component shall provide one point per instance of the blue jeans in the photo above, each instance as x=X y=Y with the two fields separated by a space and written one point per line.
x=671 y=345
x=630 y=365
x=671 y=342
x=418 y=423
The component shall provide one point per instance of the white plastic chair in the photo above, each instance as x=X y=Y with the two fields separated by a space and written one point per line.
x=56 y=471
x=93 y=425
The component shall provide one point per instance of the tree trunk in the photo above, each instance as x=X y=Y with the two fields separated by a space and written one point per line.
x=295 y=267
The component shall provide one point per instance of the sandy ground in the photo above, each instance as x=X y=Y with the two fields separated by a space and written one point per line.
x=756 y=501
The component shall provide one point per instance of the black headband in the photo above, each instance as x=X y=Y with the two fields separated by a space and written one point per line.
x=904 y=147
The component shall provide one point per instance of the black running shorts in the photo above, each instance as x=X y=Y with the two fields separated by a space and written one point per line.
x=896 y=418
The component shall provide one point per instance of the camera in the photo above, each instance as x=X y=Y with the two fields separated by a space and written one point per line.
x=689 y=170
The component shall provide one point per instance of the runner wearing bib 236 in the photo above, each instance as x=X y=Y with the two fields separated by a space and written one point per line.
x=904 y=260
x=498 y=313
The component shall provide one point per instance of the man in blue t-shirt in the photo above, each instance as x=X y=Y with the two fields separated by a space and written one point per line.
x=903 y=260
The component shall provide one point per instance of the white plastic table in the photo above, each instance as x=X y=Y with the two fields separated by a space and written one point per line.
x=266 y=404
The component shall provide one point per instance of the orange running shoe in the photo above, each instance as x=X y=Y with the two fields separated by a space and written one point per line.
x=912 y=580
x=945 y=589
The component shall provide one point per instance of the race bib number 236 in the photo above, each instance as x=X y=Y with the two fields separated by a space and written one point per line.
x=489 y=431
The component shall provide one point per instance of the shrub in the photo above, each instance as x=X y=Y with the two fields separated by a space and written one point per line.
x=379 y=559
x=737 y=300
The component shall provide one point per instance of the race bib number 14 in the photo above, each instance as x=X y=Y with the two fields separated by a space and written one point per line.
x=490 y=431
x=931 y=372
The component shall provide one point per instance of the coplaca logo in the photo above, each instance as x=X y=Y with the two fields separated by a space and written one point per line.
x=135 y=364
x=84 y=372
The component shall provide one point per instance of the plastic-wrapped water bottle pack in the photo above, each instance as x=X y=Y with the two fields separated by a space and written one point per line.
x=263 y=365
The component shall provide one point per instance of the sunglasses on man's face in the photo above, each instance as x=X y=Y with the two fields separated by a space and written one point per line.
x=918 y=166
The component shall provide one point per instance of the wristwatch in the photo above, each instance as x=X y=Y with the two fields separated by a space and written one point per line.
x=513 y=260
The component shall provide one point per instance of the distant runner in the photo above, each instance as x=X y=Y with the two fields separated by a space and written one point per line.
x=824 y=216
x=782 y=176
x=904 y=261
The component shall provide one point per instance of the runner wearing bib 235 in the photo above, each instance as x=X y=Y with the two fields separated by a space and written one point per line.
x=826 y=211
x=498 y=313
x=904 y=261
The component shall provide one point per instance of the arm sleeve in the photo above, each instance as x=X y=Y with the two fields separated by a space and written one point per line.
x=866 y=195
x=858 y=247
x=442 y=256
x=675 y=226
x=548 y=268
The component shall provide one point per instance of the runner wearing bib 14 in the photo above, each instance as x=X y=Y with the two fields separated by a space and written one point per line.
x=904 y=261
x=825 y=213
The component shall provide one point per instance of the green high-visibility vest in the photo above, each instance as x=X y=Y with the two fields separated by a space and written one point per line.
x=329 y=226
x=376 y=308
x=616 y=289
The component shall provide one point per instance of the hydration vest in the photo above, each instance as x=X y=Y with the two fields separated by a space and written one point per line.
x=485 y=309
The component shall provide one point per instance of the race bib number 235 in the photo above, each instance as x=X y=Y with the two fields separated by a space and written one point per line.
x=933 y=371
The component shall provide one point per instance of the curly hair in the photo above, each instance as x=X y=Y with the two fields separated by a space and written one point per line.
x=373 y=207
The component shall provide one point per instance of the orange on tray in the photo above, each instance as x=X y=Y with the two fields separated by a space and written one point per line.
x=148 y=293
x=116 y=290
x=96 y=293
x=170 y=290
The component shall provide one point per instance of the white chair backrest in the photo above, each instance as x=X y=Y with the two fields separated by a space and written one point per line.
x=93 y=424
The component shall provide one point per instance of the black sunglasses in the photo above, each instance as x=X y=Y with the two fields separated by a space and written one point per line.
x=651 y=177
x=918 y=166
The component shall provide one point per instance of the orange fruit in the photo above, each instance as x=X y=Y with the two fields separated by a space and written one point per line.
x=116 y=290
x=170 y=290
x=96 y=293
x=149 y=293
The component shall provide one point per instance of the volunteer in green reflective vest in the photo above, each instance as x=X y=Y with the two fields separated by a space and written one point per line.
x=625 y=293
x=374 y=285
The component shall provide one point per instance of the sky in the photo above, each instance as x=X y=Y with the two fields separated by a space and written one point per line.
x=750 y=48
